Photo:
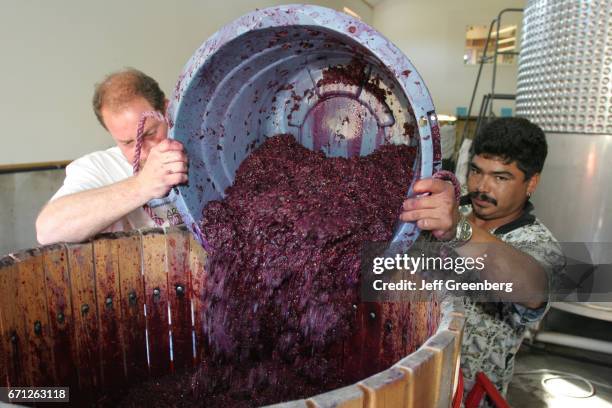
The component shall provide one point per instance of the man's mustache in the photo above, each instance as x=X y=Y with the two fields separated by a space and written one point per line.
x=482 y=197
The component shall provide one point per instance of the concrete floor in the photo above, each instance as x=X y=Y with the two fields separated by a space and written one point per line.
x=528 y=390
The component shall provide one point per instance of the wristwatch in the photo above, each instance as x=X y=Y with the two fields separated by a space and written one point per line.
x=463 y=233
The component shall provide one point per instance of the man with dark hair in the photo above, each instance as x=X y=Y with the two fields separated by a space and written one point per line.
x=494 y=219
x=100 y=191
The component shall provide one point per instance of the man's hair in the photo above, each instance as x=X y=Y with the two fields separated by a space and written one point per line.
x=121 y=87
x=513 y=140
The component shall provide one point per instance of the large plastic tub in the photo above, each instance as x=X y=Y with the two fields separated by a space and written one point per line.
x=332 y=81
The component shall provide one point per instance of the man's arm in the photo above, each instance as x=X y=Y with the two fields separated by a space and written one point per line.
x=505 y=263
x=77 y=217
x=438 y=213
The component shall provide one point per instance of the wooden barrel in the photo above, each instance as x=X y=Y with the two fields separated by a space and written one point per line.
x=112 y=312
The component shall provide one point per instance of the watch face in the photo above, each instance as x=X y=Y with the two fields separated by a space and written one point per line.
x=465 y=230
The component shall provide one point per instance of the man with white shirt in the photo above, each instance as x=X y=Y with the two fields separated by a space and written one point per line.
x=100 y=192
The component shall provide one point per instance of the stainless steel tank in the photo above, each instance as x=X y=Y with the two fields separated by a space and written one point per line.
x=564 y=86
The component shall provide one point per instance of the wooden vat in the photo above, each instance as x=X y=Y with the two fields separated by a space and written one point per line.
x=104 y=315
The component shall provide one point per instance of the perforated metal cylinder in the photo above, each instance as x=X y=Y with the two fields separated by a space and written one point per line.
x=565 y=66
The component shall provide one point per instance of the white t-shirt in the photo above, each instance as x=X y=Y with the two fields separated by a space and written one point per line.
x=102 y=168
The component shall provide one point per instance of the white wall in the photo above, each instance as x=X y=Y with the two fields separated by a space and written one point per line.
x=52 y=53
x=432 y=34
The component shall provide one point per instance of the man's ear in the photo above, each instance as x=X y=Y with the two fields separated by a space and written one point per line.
x=532 y=184
x=166 y=103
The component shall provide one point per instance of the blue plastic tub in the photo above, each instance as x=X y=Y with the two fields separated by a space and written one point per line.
x=332 y=81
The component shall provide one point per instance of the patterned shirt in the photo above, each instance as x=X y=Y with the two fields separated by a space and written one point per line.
x=494 y=331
